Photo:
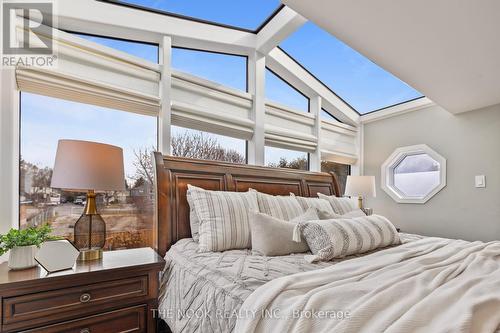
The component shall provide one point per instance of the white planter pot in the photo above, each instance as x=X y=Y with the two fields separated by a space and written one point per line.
x=22 y=257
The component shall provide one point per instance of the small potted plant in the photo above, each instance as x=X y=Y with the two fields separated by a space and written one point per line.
x=23 y=245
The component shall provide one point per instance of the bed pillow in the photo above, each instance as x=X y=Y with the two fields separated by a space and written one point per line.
x=323 y=215
x=340 y=205
x=283 y=207
x=223 y=218
x=317 y=203
x=329 y=239
x=193 y=219
x=273 y=237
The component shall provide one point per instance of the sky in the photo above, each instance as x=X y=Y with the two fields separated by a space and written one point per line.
x=356 y=79
x=240 y=13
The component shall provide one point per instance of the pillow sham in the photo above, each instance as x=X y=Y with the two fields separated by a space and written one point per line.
x=317 y=203
x=283 y=207
x=273 y=237
x=340 y=205
x=323 y=215
x=194 y=223
x=223 y=217
x=329 y=239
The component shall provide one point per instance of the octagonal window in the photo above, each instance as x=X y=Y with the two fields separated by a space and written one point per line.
x=413 y=174
x=416 y=175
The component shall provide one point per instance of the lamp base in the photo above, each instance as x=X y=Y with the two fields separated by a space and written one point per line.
x=360 y=202
x=90 y=254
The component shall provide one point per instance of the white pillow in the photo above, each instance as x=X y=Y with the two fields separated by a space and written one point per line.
x=340 y=205
x=323 y=215
x=193 y=219
x=223 y=217
x=317 y=203
x=283 y=207
x=273 y=237
x=337 y=238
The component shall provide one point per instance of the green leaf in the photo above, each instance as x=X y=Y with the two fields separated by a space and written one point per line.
x=26 y=237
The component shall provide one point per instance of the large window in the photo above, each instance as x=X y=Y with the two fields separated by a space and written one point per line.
x=207 y=146
x=128 y=214
x=138 y=49
x=356 y=79
x=228 y=70
x=247 y=15
x=285 y=158
x=277 y=90
x=340 y=170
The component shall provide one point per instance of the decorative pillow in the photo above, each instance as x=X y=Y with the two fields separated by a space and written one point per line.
x=329 y=239
x=323 y=215
x=279 y=206
x=273 y=237
x=340 y=205
x=193 y=219
x=317 y=203
x=223 y=218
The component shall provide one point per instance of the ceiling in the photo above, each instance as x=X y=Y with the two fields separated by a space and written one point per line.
x=449 y=50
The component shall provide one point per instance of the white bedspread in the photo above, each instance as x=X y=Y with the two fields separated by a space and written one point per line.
x=430 y=285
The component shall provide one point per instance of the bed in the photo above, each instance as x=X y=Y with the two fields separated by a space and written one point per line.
x=216 y=291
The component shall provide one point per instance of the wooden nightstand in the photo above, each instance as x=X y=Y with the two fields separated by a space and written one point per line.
x=116 y=294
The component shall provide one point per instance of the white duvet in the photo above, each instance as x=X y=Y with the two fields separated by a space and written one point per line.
x=430 y=285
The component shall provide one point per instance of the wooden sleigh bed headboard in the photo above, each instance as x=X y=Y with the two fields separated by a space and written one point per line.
x=173 y=174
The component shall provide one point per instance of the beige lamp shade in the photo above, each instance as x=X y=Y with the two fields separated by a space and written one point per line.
x=360 y=186
x=84 y=165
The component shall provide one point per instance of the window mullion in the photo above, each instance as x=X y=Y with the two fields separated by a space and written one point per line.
x=256 y=86
x=9 y=150
x=164 y=120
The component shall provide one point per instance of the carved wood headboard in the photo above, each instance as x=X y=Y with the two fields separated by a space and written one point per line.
x=173 y=174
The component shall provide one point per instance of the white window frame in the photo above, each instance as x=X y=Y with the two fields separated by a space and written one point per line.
x=388 y=167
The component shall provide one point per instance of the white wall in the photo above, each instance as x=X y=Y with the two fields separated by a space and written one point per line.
x=471 y=144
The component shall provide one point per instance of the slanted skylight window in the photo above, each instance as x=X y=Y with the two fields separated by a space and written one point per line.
x=138 y=49
x=277 y=90
x=361 y=83
x=243 y=14
x=228 y=70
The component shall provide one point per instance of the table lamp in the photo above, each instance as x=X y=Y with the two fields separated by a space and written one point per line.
x=88 y=166
x=360 y=186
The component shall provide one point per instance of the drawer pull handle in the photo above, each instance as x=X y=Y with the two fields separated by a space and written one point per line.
x=84 y=298
x=85 y=330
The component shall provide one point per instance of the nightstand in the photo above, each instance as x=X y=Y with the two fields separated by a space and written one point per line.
x=116 y=294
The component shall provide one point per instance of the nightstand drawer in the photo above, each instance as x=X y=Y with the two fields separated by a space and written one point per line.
x=24 y=310
x=128 y=320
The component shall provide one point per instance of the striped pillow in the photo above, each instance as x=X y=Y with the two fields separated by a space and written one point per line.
x=223 y=217
x=193 y=219
x=340 y=205
x=317 y=203
x=279 y=206
x=329 y=239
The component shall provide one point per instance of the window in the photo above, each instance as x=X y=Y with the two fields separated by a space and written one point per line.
x=138 y=49
x=414 y=174
x=360 y=82
x=340 y=170
x=248 y=15
x=277 y=90
x=207 y=146
x=328 y=116
x=129 y=214
x=285 y=158
x=225 y=69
